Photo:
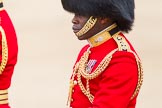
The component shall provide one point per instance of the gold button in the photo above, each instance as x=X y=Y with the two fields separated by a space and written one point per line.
x=72 y=100
x=75 y=82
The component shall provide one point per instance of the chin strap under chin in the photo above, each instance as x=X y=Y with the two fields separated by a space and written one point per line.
x=88 y=25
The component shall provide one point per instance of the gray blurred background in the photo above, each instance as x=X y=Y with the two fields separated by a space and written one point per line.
x=48 y=49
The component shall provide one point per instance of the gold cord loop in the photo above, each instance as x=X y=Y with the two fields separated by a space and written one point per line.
x=140 y=75
x=4 y=51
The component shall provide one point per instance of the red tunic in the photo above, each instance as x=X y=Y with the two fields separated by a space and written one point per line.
x=5 y=77
x=116 y=85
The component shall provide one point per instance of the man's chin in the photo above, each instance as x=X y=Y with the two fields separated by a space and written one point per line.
x=80 y=37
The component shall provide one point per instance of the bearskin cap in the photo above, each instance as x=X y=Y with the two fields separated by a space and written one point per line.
x=120 y=11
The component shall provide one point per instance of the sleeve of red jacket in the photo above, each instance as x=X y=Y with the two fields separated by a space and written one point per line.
x=118 y=82
x=8 y=31
x=4 y=106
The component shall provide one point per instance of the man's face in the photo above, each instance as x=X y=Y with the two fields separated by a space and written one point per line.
x=78 y=23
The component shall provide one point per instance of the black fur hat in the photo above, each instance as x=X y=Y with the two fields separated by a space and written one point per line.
x=120 y=11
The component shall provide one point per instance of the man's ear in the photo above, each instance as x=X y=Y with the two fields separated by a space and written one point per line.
x=105 y=20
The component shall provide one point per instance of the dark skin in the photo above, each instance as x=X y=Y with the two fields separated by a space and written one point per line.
x=79 y=21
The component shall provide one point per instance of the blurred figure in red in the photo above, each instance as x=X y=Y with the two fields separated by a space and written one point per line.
x=8 y=55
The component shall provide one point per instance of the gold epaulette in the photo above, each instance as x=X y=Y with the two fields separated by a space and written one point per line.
x=122 y=43
x=124 y=46
x=3 y=97
x=4 y=50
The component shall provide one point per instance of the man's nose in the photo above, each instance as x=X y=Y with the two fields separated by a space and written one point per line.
x=74 y=20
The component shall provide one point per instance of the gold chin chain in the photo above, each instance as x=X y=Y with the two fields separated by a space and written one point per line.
x=4 y=51
x=89 y=24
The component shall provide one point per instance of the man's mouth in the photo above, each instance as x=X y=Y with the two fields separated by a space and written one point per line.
x=75 y=29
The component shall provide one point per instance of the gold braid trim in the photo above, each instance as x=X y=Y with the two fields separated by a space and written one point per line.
x=86 y=91
x=140 y=75
x=3 y=91
x=4 y=51
x=3 y=96
x=4 y=102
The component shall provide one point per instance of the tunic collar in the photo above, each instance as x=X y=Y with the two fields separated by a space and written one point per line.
x=104 y=35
